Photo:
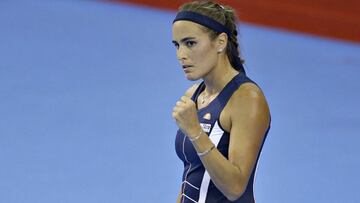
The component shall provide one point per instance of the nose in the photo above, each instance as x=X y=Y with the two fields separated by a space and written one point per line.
x=181 y=53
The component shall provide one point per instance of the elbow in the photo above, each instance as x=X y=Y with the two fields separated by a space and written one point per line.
x=236 y=192
x=237 y=188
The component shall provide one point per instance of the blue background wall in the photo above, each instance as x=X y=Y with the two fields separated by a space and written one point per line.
x=86 y=94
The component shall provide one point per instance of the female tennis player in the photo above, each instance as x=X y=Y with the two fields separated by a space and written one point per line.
x=224 y=120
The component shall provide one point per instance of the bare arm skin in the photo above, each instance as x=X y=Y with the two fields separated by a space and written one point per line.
x=246 y=117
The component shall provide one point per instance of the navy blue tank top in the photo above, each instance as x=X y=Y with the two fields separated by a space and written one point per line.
x=196 y=182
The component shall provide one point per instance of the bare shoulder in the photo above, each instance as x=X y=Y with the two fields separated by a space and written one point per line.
x=249 y=98
x=189 y=92
x=248 y=90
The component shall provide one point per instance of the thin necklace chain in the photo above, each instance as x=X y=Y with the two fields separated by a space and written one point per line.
x=205 y=97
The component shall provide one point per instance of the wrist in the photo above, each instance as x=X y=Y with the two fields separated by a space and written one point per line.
x=201 y=154
x=196 y=135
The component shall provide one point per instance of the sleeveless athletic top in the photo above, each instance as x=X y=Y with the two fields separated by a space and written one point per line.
x=197 y=185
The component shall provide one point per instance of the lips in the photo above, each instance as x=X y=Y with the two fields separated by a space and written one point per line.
x=186 y=66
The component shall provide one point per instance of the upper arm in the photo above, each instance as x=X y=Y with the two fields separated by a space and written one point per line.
x=249 y=119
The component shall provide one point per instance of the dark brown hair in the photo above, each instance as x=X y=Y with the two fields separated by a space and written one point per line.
x=226 y=16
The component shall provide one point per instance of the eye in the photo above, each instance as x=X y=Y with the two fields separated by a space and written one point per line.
x=190 y=43
x=176 y=45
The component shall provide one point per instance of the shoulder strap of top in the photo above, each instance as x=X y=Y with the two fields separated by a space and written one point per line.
x=197 y=92
x=231 y=87
x=226 y=93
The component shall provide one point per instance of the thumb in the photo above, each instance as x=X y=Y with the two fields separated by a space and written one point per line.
x=186 y=99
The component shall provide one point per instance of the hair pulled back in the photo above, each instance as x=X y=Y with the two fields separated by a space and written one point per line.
x=226 y=16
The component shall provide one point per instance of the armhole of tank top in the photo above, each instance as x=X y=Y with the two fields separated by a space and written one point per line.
x=248 y=80
x=220 y=126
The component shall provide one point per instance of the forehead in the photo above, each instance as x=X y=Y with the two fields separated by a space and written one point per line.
x=182 y=29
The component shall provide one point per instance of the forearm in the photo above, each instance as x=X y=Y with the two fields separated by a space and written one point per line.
x=225 y=175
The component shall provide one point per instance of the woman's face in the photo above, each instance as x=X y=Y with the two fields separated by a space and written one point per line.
x=195 y=50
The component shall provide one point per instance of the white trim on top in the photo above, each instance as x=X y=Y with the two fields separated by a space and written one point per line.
x=215 y=137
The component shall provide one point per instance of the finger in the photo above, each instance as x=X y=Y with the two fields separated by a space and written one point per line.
x=174 y=115
x=187 y=100
x=176 y=109
x=179 y=103
x=184 y=99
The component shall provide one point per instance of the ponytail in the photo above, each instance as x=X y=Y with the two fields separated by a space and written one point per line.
x=232 y=49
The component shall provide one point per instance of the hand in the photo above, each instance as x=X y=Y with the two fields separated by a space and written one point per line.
x=185 y=115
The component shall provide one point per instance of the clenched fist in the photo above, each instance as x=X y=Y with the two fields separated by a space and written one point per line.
x=185 y=115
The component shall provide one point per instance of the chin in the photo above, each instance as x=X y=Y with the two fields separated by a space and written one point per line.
x=192 y=77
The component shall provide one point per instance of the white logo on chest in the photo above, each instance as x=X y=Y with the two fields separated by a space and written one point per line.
x=206 y=127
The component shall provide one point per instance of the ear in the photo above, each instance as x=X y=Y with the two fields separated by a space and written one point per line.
x=222 y=41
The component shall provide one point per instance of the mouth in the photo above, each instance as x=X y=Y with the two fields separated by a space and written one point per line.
x=186 y=66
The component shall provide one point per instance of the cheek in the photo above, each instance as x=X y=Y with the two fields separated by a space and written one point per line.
x=204 y=55
x=208 y=58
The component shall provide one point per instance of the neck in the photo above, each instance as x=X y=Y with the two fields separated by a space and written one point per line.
x=219 y=76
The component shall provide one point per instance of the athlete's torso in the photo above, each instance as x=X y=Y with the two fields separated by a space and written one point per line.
x=197 y=185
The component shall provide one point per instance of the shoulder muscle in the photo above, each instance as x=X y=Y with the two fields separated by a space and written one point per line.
x=249 y=102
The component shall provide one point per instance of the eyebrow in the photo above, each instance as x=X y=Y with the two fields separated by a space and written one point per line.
x=184 y=39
